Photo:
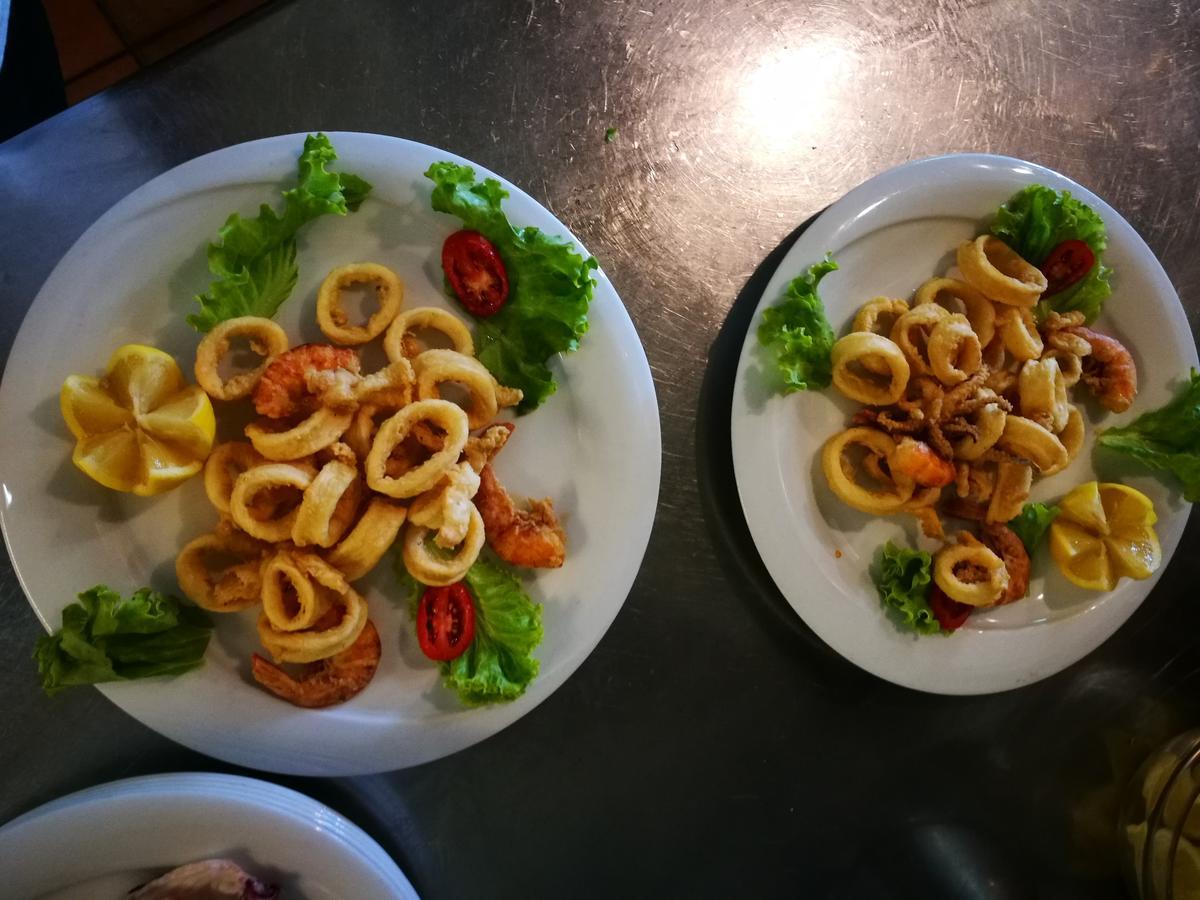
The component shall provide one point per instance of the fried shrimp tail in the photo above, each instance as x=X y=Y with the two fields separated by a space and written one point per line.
x=328 y=681
x=1109 y=371
x=531 y=538
x=917 y=460
x=1004 y=542
x=284 y=389
x=481 y=450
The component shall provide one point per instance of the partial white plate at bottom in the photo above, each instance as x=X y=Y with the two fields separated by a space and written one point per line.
x=103 y=841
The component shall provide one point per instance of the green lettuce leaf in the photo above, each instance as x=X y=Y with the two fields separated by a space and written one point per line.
x=499 y=665
x=1038 y=218
x=254 y=260
x=550 y=286
x=796 y=336
x=105 y=637
x=1035 y=221
x=1032 y=522
x=1166 y=439
x=903 y=579
x=1087 y=295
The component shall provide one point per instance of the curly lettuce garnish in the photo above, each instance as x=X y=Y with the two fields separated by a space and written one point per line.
x=1166 y=439
x=1032 y=522
x=499 y=665
x=1035 y=221
x=107 y=637
x=796 y=335
x=550 y=286
x=903 y=579
x=254 y=260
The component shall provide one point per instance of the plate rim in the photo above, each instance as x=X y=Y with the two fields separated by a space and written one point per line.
x=834 y=218
x=644 y=400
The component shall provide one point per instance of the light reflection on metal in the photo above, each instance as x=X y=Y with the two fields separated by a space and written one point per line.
x=793 y=93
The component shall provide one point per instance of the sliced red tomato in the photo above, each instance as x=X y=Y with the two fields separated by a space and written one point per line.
x=1067 y=263
x=446 y=621
x=950 y=613
x=476 y=272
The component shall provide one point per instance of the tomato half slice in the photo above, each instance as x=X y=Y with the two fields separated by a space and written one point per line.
x=951 y=614
x=1067 y=263
x=446 y=621
x=475 y=272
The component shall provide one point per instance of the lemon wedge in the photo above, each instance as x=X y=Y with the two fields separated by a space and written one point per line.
x=1084 y=507
x=140 y=428
x=1104 y=532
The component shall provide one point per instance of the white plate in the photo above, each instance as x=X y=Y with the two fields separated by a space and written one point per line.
x=103 y=841
x=593 y=446
x=888 y=235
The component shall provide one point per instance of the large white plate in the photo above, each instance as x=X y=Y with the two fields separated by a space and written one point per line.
x=888 y=235
x=593 y=446
x=103 y=841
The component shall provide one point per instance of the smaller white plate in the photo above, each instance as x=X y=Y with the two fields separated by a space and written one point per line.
x=103 y=841
x=889 y=235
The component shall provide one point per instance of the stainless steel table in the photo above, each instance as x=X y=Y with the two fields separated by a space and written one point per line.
x=711 y=746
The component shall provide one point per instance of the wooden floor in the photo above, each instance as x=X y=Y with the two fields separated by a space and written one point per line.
x=102 y=41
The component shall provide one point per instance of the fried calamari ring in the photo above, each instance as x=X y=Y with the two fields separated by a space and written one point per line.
x=1018 y=330
x=994 y=353
x=331 y=313
x=400 y=341
x=291 y=601
x=437 y=367
x=220 y=572
x=954 y=351
x=840 y=472
x=911 y=334
x=250 y=493
x=316 y=432
x=855 y=350
x=392 y=386
x=266 y=339
x=362 y=549
x=442 y=413
x=338 y=451
x=959 y=297
x=980 y=482
x=879 y=316
x=1003 y=383
x=226 y=462
x=1070 y=364
x=1043 y=393
x=333 y=633
x=996 y=270
x=1013 y=482
x=970 y=573
x=446 y=508
x=1072 y=439
x=434 y=567
x=362 y=428
x=383 y=393
x=989 y=425
x=1026 y=439
x=329 y=506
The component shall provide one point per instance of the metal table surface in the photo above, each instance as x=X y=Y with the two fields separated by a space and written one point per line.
x=711 y=746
